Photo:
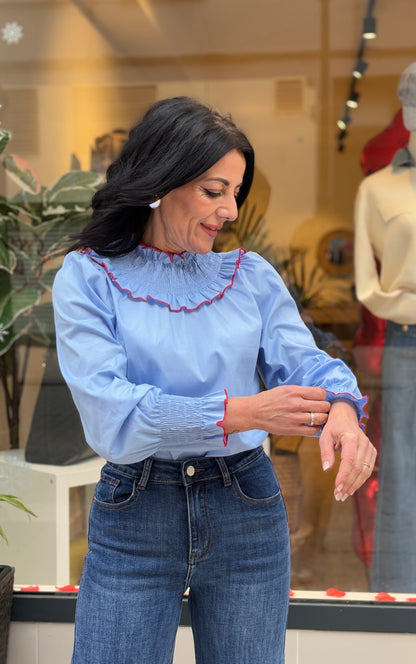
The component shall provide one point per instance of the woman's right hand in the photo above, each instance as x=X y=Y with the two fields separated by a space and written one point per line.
x=289 y=410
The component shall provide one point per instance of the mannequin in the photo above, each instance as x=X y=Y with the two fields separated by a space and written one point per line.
x=367 y=349
x=385 y=231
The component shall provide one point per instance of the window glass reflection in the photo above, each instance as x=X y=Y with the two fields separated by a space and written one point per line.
x=75 y=77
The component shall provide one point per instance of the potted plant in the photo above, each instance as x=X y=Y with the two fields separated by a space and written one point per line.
x=6 y=583
x=6 y=596
x=36 y=225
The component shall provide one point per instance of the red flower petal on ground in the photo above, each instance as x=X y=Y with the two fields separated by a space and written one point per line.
x=334 y=592
x=67 y=589
x=385 y=597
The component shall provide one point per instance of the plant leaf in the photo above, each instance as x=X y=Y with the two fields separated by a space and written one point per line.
x=14 y=303
x=15 y=502
x=7 y=258
x=22 y=173
x=74 y=198
x=43 y=329
x=48 y=277
x=9 y=337
x=5 y=137
x=75 y=179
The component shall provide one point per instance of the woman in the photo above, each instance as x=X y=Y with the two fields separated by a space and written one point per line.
x=162 y=343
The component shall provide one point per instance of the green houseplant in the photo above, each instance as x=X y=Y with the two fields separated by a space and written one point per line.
x=6 y=582
x=14 y=502
x=36 y=225
x=6 y=597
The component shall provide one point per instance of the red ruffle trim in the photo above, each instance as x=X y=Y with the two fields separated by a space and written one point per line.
x=171 y=254
x=362 y=403
x=149 y=298
x=220 y=422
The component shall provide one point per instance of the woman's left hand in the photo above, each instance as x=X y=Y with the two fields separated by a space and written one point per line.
x=358 y=455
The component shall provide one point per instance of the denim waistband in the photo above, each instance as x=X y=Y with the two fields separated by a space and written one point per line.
x=188 y=471
x=400 y=335
x=401 y=328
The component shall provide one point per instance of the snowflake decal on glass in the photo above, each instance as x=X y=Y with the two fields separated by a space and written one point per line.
x=3 y=333
x=12 y=32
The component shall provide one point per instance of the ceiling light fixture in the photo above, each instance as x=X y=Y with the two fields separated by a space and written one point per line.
x=344 y=121
x=369 y=28
x=360 y=68
x=341 y=136
x=352 y=101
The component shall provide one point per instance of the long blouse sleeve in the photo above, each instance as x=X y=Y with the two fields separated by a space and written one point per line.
x=288 y=354
x=152 y=346
x=123 y=421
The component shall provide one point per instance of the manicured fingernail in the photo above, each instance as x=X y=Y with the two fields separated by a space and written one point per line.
x=326 y=465
x=338 y=492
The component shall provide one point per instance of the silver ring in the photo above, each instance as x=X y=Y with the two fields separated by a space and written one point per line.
x=366 y=464
x=312 y=422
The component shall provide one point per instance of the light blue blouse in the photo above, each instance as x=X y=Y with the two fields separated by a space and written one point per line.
x=152 y=345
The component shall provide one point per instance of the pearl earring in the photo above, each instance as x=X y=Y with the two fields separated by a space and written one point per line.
x=155 y=204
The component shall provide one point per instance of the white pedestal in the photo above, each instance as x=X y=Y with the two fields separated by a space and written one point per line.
x=38 y=548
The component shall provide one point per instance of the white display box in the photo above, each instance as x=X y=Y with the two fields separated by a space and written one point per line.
x=38 y=548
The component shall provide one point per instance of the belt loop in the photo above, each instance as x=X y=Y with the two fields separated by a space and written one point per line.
x=224 y=471
x=144 y=478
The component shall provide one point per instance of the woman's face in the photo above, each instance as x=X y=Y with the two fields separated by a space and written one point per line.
x=189 y=217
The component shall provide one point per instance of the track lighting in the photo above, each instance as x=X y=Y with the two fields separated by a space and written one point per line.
x=359 y=69
x=344 y=121
x=352 y=101
x=369 y=32
x=341 y=136
x=369 y=28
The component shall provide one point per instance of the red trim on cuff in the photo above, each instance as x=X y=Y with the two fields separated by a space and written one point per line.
x=359 y=403
x=220 y=422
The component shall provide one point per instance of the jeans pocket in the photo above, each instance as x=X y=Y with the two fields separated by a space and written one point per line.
x=115 y=489
x=257 y=483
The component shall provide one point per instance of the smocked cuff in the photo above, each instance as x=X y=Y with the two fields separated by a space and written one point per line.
x=191 y=420
x=359 y=403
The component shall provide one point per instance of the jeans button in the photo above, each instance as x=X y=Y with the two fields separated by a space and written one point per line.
x=190 y=471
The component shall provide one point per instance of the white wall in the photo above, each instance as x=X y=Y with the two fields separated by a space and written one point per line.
x=51 y=643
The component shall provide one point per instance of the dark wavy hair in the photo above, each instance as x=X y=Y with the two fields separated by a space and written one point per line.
x=177 y=140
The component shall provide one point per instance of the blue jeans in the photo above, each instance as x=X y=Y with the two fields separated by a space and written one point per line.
x=394 y=557
x=217 y=526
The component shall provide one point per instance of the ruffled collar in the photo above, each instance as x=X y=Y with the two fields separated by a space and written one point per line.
x=181 y=282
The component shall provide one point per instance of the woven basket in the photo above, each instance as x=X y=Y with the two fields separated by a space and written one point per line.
x=6 y=596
